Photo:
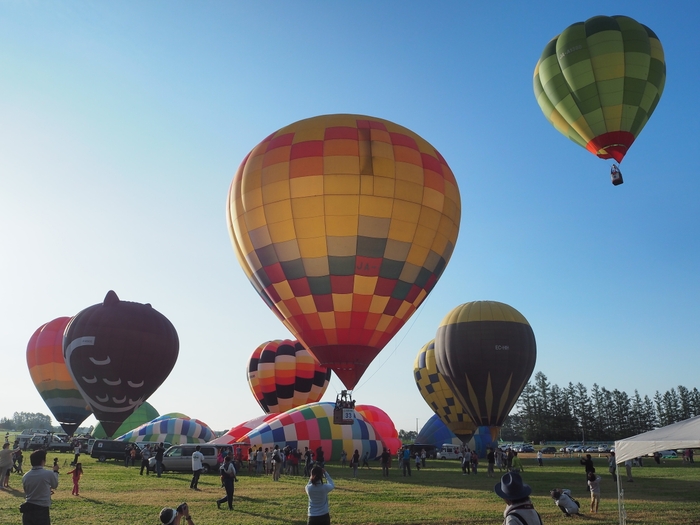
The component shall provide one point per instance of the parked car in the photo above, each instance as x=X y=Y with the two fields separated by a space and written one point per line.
x=178 y=458
x=668 y=454
x=548 y=450
x=448 y=451
x=525 y=448
x=104 y=449
x=603 y=448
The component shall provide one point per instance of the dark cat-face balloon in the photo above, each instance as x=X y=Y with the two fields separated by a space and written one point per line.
x=118 y=354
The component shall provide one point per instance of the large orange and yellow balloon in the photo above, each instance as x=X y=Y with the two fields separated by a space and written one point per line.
x=343 y=224
x=283 y=375
x=51 y=377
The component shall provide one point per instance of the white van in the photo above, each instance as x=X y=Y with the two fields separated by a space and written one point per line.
x=449 y=451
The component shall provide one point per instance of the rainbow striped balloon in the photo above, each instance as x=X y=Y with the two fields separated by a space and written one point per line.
x=51 y=377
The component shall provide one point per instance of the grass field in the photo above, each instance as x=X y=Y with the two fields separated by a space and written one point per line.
x=110 y=493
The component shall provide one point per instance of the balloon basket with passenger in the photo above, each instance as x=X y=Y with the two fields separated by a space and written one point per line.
x=344 y=410
x=616 y=175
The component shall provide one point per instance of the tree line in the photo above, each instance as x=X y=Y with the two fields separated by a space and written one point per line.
x=548 y=412
x=22 y=420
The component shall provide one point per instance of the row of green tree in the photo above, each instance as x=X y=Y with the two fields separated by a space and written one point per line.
x=22 y=420
x=548 y=412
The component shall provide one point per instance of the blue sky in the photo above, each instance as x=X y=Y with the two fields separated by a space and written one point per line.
x=122 y=125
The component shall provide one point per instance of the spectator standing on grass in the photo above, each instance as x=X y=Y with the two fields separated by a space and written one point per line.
x=76 y=452
x=628 y=469
x=423 y=455
x=490 y=460
x=519 y=509
x=354 y=462
x=160 y=450
x=406 y=461
x=365 y=460
x=612 y=466
x=515 y=464
x=474 y=461
x=197 y=459
x=6 y=463
x=276 y=463
x=385 y=459
x=594 y=487
x=539 y=458
x=145 y=456
x=317 y=492
x=38 y=484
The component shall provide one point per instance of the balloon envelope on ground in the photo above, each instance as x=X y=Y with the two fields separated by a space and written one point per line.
x=236 y=433
x=283 y=375
x=312 y=426
x=382 y=425
x=437 y=393
x=486 y=352
x=599 y=81
x=174 y=430
x=343 y=224
x=52 y=378
x=436 y=433
x=118 y=353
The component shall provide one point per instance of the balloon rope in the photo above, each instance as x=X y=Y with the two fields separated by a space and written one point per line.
x=396 y=347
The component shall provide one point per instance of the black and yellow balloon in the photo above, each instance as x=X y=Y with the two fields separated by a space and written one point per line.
x=486 y=352
x=599 y=81
x=437 y=393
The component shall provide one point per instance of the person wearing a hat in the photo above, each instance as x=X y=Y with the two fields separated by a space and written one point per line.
x=519 y=508
x=169 y=516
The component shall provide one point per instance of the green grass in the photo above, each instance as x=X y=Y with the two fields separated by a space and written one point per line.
x=439 y=494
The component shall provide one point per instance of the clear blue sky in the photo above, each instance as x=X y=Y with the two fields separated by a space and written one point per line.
x=122 y=124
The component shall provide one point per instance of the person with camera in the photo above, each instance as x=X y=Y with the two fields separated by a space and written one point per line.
x=38 y=484
x=178 y=516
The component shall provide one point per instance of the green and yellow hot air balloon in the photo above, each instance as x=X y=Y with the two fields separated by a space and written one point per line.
x=599 y=81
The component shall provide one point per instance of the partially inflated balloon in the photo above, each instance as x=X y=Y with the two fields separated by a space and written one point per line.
x=599 y=82
x=436 y=433
x=236 y=433
x=175 y=430
x=142 y=415
x=312 y=426
x=119 y=353
x=486 y=352
x=343 y=224
x=283 y=375
x=382 y=425
x=51 y=377
x=437 y=393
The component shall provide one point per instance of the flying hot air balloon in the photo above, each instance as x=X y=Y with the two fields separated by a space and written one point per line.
x=118 y=353
x=437 y=393
x=486 y=352
x=599 y=81
x=343 y=224
x=283 y=375
x=51 y=377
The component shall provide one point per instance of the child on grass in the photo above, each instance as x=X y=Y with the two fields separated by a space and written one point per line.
x=77 y=472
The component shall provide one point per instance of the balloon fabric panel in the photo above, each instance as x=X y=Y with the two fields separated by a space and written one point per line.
x=119 y=353
x=51 y=376
x=172 y=430
x=438 y=394
x=142 y=415
x=345 y=223
x=486 y=352
x=599 y=82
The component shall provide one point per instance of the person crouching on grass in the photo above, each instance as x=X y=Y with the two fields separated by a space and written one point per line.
x=519 y=508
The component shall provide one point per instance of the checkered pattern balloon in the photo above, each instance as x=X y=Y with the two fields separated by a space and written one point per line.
x=599 y=82
x=343 y=224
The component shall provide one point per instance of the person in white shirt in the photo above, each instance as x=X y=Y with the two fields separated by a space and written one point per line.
x=197 y=458
x=562 y=499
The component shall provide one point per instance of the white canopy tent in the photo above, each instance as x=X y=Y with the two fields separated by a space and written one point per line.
x=684 y=434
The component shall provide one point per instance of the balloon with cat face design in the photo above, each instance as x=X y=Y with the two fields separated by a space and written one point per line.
x=119 y=353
